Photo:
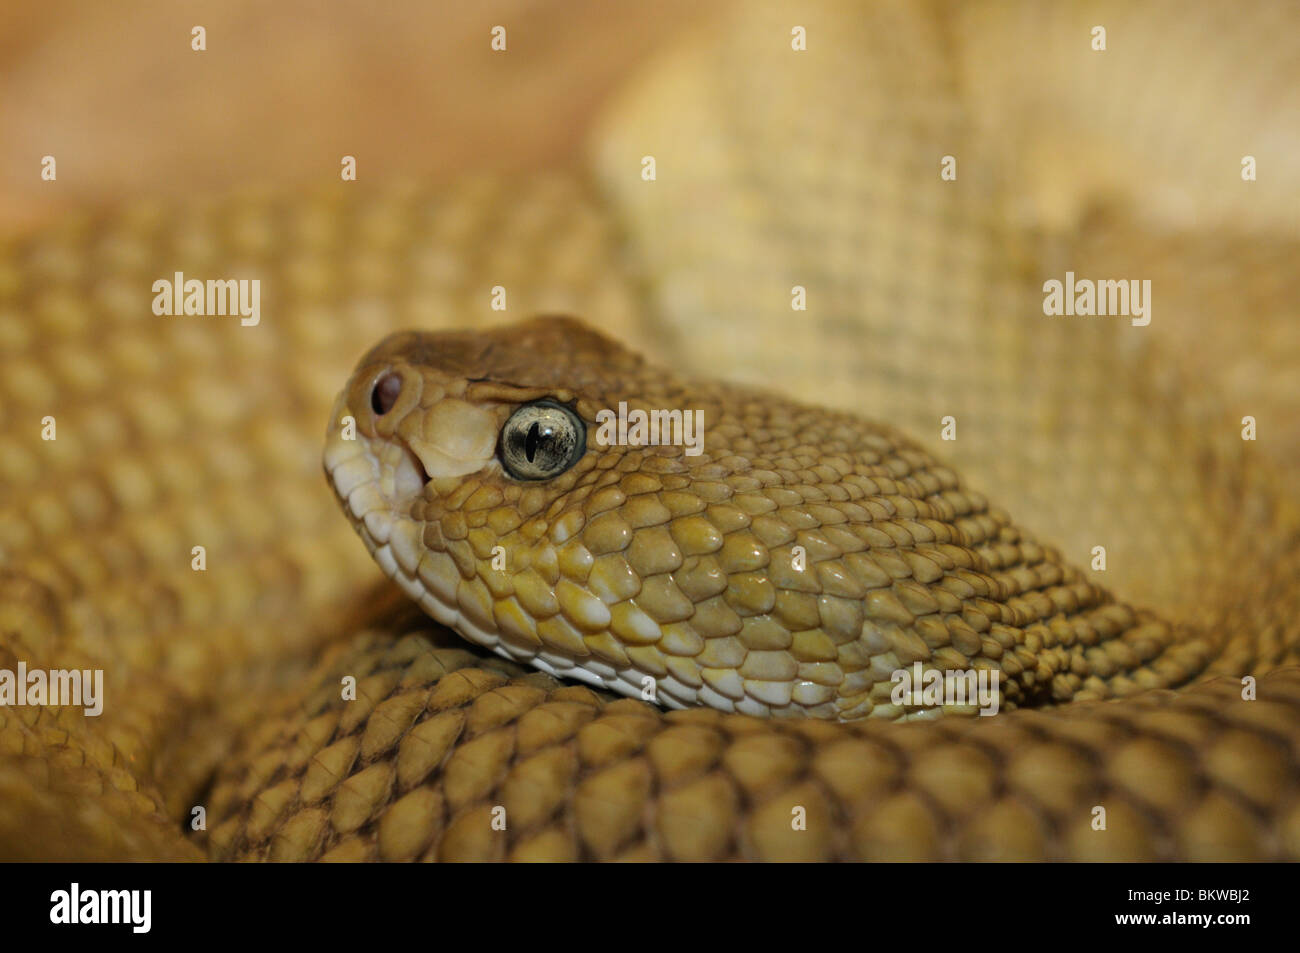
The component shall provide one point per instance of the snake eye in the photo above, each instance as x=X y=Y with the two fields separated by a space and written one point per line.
x=541 y=441
x=386 y=391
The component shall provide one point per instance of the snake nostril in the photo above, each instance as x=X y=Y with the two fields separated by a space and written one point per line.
x=385 y=393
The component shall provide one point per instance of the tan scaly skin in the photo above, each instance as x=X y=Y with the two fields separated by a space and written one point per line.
x=644 y=561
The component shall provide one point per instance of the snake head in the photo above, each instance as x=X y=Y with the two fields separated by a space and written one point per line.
x=794 y=565
x=469 y=465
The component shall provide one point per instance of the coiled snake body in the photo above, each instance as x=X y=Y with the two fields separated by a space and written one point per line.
x=641 y=561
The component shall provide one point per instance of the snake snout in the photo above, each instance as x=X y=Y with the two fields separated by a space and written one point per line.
x=409 y=473
x=372 y=467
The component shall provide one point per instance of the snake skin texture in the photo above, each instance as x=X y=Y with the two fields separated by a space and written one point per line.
x=775 y=169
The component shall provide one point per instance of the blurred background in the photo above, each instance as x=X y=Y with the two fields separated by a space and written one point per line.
x=285 y=89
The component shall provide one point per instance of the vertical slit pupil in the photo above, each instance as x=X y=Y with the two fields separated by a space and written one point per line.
x=532 y=440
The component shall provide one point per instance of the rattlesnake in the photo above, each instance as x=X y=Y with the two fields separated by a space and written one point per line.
x=223 y=684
